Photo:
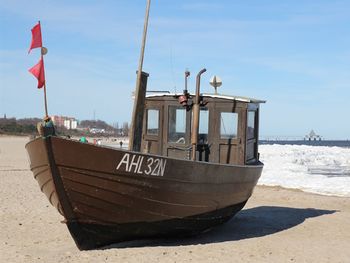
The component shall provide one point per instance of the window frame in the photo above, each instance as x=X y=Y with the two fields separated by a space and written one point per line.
x=254 y=128
x=220 y=127
x=201 y=109
x=176 y=107
x=158 y=121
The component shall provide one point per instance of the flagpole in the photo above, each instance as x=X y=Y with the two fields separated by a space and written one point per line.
x=39 y=70
x=46 y=114
x=42 y=57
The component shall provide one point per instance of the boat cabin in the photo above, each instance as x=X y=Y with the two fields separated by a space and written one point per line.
x=227 y=133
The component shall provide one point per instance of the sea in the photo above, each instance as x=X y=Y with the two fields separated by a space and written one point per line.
x=321 y=167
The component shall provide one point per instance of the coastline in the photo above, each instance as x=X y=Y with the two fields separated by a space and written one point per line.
x=276 y=225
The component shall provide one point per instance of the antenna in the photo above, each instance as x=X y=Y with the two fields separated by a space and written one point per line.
x=172 y=67
x=216 y=82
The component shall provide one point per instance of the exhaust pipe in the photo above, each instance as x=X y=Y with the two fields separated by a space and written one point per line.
x=195 y=126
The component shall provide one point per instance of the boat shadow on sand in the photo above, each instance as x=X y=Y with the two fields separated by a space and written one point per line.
x=249 y=223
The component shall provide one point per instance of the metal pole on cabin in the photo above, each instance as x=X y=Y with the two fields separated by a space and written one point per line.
x=187 y=74
x=196 y=108
x=137 y=114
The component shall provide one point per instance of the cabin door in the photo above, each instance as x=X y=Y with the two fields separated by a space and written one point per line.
x=178 y=134
x=252 y=134
x=230 y=134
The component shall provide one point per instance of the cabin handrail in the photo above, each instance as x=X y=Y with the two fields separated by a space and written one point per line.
x=180 y=148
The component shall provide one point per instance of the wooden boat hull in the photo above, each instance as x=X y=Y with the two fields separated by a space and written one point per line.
x=110 y=195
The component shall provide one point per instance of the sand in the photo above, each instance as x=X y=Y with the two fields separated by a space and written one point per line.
x=277 y=225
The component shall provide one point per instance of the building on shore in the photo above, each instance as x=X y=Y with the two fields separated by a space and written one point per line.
x=63 y=121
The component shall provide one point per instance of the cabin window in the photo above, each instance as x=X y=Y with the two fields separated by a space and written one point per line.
x=177 y=125
x=203 y=125
x=152 y=122
x=251 y=125
x=228 y=125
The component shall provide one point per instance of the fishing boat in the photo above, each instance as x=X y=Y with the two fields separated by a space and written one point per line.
x=192 y=163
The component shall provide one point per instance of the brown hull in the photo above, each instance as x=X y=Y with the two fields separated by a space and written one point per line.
x=109 y=195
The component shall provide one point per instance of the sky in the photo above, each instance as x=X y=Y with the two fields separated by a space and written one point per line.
x=295 y=54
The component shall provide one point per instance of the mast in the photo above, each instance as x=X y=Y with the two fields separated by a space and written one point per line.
x=140 y=93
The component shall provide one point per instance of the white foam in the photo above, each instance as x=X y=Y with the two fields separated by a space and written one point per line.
x=316 y=169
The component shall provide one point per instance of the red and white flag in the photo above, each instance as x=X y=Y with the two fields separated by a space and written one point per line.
x=39 y=72
x=36 y=37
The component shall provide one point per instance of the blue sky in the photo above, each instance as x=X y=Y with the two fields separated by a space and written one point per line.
x=294 y=53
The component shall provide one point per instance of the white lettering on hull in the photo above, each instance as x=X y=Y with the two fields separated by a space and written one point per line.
x=138 y=164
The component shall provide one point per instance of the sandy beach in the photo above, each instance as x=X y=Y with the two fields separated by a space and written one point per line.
x=277 y=225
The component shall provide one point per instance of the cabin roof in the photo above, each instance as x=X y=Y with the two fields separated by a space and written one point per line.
x=218 y=96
